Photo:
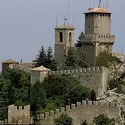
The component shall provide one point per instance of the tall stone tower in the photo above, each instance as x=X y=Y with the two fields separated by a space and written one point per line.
x=64 y=40
x=97 y=36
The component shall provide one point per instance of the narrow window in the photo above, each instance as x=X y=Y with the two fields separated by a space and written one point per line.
x=61 y=36
x=70 y=37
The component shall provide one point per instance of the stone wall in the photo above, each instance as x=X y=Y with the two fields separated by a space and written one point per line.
x=95 y=77
x=19 y=115
x=82 y=111
x=22 y=66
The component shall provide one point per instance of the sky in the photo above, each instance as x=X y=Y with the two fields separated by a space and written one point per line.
x=26 y=25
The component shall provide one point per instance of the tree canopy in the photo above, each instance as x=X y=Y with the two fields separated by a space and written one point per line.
x=46 y=59
x=103 y=120
x=64 y=119
x=103 y=59
x=14 y=87
x=57 y=91
x=71 y=59
x=76 y=59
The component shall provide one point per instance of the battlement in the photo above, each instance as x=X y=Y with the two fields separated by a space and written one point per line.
x=13 y=107
x=19 y=114
x=83 y=70
x=84 y=103
x=22 y=66
x=98 y=37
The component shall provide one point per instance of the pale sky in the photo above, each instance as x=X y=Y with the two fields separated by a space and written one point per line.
x=26 y=25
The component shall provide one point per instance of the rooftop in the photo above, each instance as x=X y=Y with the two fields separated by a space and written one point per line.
x=98 y=10
x=64 y=27
x=41 y=68
x=9 y=61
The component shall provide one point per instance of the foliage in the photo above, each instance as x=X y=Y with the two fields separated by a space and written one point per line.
x=14 y=87
x=65 y=89
x=103 y=120
x=76 y=59
x=93 y=95
x=57 y=91
x=81 y=59
x=46 y=59
x=41 y=58
x=37 y=96
x=79 y=44
x=71 y=59
x=103 y=59
x=63 y=120
x=84 y=123
x=118 y=83
x=106 y=59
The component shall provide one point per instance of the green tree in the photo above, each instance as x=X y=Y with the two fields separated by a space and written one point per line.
x=50 y=62
x=103 y=120
x=81 y=59
x=15 y=84
x=93 y=96
x=41 y=58
x=65 y=89
x=103 y=59
x=63 y=120
x=37 y=96
x=71 y=59
x=46 y=59
x=79 y=43
x=14 y=88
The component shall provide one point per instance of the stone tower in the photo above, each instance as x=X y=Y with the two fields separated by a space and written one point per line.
x=64 y=40
x=97 y=36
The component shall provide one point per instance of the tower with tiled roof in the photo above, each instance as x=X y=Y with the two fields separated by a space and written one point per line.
x=64 y=40
x=97 y=36
x=7 y=63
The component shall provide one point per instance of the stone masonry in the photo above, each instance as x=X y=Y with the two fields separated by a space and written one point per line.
x=19 y=115
x=82 y=111
x=95 y=77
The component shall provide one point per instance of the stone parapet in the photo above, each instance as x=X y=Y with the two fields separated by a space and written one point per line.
x=101 y=38
x=83 y=70
x=19 y=114
x=83 y=103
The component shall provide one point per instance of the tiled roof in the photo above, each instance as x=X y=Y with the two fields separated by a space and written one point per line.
x=10 y=61
x=65 y=27
x=41 y=68
x=98 y=10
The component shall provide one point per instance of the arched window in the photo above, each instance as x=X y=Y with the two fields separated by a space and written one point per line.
x=70 y=37
x=61 y=36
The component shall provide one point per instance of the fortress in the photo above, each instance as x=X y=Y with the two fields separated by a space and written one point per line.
x=96 y=38
x=81 y=111
x=19 y=115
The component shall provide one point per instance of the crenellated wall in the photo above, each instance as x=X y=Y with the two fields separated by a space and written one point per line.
x=23 y=66
x=19 y=114
x=80 y=111
x=98 y=37
x=95 y=77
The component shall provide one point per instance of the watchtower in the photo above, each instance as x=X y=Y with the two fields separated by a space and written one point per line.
x=97 y=36
x=64 y=40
